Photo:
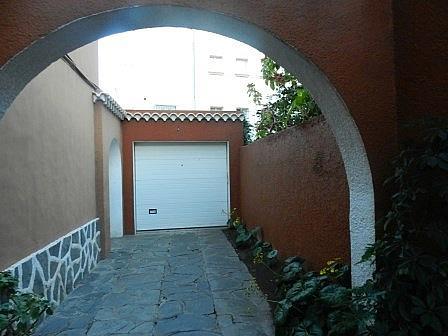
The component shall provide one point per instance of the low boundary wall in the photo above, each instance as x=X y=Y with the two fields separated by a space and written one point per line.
x=56 y=269
x=293 y=185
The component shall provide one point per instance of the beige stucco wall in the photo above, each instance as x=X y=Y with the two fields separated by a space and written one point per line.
x=107 y=128
x=47 y=167
x=86 y=59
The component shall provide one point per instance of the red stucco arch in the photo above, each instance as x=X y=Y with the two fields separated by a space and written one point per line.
x=345 y=57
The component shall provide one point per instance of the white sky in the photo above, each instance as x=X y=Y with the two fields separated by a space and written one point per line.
x=142 y=61
x=149 y=67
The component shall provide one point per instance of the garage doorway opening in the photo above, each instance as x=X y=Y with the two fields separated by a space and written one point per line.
x=180 y=185
x=115 y=190
x=16 y=73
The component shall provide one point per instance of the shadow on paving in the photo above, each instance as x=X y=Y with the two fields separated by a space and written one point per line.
x=184 y=282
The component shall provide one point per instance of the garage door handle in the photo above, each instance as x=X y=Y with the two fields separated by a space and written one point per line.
x=152 y=211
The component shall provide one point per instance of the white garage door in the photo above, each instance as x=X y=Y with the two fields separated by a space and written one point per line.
x=180 y=185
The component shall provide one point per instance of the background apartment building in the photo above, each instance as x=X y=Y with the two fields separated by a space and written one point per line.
x=179 y=69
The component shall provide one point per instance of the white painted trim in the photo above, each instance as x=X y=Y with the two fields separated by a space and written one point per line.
x=180 y=141
x=109 y=103
x=229 y=197
x=193 y=116
x=115 y=189
x=50 y=245
x=133 y=185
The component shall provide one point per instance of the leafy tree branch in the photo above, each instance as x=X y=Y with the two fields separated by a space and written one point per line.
x=290 y=104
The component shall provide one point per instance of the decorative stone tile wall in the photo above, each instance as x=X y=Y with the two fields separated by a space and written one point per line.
x=57 y=268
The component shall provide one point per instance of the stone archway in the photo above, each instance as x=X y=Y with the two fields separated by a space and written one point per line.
x=115 y=190
x=16 y=73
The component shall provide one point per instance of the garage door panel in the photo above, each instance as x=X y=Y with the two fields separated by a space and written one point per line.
x=150 y=190
x=170 y=173
x=183 y=207
x=198 y=195
x=186 y=182
x=192 y=176
x=184 y=221
x=166 y=214
x=187 y=158
x=149 y=202
x=179 y=185
x=180 y=225
x=170 y=151
x=181 y=202
x=188 y=162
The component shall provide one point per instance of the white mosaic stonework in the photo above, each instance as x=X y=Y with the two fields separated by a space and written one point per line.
x=55 y=270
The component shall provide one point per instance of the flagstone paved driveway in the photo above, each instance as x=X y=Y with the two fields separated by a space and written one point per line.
x=185 y=283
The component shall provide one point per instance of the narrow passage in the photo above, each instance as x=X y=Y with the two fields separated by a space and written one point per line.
x=183 y=282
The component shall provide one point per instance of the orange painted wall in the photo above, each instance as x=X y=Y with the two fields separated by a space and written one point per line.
x=351 y=41
x=421 y=43
x=293 y=185
x=231 y=131
x=383 y=57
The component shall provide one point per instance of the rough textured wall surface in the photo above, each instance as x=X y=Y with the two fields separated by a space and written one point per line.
x=47 y=166
x=107 y=128
x=293 y=186
x=351 y=41
x=421 y=56
x=231 y=131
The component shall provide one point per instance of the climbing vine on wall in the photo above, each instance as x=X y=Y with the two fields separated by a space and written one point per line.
x=412 y=253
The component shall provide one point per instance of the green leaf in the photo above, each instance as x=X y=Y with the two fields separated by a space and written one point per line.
x=272 y=255
x=436 y=325
x=403 y=308
x=4 y=322
x=416 y=301
x=432 y=161
x=335 y=295
x=292 y=271
x=307 y=328
x=22 y=310
x=302 y=290
x=427 y=319
x=442 y=164
x=341 y=323
x=281 y=312
x=243 y=239
x=293 y=259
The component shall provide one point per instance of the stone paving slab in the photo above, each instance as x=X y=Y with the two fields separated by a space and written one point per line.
x=165 y=283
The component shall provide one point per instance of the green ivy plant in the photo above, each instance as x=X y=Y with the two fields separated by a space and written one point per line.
x=290 y=104
x=263 y=253
x=293 y=269
x=19 y=312
x=247 y=132
x=336 y=270
x=320 y=304
x=408 y=295
x=244 y=237
x=313 y=303
x=412 y=253
x=233 y=221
